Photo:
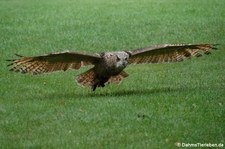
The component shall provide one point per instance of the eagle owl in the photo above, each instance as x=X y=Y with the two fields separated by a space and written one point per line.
x=108 y=67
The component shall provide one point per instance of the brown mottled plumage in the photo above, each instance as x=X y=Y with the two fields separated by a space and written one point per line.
x=108 y=66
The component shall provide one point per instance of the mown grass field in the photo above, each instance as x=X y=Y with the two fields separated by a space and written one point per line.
x=155 y=107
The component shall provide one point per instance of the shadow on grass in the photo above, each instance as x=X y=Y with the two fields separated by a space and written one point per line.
x=131 y=92
x=118 y=93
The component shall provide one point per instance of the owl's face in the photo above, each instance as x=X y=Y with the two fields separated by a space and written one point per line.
x=121 y=60
x=116 y=61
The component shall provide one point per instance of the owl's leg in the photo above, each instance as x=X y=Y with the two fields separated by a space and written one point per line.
x=94 y=87
x=99 y=83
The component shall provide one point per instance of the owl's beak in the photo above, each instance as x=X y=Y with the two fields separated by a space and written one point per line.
x=125 y=63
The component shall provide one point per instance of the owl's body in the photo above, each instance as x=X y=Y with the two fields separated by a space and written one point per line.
x=112 y=63
x=108 y=66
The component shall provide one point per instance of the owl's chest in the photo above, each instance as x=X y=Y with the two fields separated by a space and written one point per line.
x=107 y=68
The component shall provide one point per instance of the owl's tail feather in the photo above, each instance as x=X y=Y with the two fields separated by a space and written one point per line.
x=86 y=79
x=89 y=79
x=118 y=78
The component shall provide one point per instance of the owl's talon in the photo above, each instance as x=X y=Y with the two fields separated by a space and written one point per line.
x=94 y=87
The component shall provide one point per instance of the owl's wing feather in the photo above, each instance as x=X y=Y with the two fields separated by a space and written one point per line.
x=168 y=53
x=52 y=62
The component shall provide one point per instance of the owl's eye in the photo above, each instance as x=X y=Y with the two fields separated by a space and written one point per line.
x=117 y=59
x=126 y=59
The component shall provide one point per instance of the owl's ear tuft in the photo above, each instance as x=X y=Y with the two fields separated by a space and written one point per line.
x=117 y=58
x=129 y=53
x=101 y=54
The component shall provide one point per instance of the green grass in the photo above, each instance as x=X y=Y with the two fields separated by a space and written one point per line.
x=156 y=106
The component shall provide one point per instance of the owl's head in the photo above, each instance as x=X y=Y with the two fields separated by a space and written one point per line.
x=118 y=60
x=121 y=59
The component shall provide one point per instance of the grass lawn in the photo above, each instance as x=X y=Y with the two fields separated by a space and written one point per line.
x=155 y=107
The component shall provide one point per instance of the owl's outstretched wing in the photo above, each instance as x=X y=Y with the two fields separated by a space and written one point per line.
x=168 y=53
x=52 y=62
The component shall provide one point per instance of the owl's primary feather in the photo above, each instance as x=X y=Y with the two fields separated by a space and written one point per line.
x=108 y=66
x=169 y=53
x=53 y=62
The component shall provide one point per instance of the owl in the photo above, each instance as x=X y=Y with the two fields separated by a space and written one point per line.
x=108 y=67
